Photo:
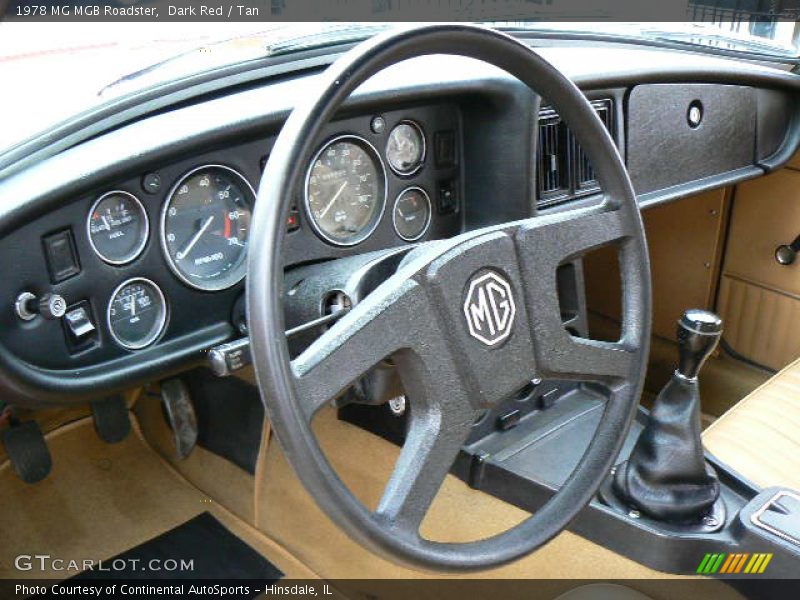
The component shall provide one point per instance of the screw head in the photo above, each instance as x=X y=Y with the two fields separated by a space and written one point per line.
x=634 y=514
x=710 y=521
x=398 y=406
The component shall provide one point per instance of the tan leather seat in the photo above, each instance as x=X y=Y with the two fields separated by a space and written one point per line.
x=760 y=436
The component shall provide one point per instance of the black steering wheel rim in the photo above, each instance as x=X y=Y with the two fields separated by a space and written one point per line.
x=278 y=379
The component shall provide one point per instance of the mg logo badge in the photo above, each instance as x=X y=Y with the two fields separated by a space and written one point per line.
x=489 y=308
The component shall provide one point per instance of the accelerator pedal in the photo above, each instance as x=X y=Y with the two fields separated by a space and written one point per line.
x=27 y=450
x=111 y=419
x=180 y=413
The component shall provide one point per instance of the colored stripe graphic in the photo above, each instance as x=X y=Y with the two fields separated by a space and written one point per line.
x=710 y=563
x=732 y=564
x=727 y=564
x=763 y=566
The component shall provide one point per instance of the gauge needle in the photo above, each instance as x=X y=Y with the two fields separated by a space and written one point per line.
x=182 y=254
x=335 y=196
x=105 y=222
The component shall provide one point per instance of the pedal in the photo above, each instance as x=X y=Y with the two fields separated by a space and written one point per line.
x=111 y=419
x=180 y=413
x=28 y=452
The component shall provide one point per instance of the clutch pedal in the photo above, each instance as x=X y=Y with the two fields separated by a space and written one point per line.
x=181 y=416
x=27 y=450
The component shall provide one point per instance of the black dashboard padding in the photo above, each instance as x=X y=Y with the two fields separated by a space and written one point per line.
x=664 y=150
x=230 y=416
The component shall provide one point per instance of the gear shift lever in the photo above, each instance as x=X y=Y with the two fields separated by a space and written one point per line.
x=666 y=476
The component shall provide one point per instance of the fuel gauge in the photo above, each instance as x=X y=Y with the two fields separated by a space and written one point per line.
x=117 y=226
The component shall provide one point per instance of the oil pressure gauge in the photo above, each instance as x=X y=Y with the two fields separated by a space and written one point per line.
x=137 y=313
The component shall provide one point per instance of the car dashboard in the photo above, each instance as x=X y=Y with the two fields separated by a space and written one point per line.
x=125 y=255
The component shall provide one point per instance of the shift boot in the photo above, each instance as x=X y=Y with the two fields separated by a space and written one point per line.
x=666 y=476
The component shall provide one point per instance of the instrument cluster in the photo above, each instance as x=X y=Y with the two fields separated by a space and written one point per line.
x=157 y=261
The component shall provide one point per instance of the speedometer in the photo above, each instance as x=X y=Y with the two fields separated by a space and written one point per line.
x=345 y=192
x=205 y=225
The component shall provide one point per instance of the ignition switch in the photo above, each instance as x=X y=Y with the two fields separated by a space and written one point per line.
x=49 y=306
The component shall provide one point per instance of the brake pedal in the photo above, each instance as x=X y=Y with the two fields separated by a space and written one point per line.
x=27 y=450
x=111 y=419
x=180 y=413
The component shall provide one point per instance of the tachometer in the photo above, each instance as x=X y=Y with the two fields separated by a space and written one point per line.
x=345 y=192
x=137 y=313
x=117 y=227
x=205 y=225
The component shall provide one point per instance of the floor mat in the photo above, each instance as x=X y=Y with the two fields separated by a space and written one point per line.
x=202 y=548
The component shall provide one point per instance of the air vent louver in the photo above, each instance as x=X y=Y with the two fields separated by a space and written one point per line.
x=553 y=179
x=585 y=180
x=563 y=169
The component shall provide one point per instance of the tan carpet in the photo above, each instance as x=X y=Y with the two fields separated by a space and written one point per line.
x=101 y=500
x=289 y=515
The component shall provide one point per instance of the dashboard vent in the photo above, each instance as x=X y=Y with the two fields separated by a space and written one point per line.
x=563 y=169
x=552 y=172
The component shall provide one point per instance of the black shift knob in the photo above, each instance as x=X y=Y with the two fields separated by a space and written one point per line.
x=698 y=334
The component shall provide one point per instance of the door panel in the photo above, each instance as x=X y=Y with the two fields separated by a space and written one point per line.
x=760 y=298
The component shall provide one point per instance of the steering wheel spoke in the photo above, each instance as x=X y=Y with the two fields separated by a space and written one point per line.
x=374 y=330
x=435 y=436
x=545 y=243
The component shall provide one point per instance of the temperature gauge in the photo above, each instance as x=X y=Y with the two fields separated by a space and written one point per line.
x=137 y=313
x=412 y=214
x=117 y=226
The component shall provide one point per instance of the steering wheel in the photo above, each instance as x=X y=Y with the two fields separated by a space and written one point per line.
x=468 y=321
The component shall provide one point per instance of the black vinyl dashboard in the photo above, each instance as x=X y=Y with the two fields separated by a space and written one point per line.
x=141 y=232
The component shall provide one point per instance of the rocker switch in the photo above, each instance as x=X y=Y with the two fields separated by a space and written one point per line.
x=78 y=322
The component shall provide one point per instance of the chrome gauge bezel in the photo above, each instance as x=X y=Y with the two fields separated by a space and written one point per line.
x=368 y=231
x=422 y=157
x=142 y=243
x=427 y=226
x=205 y=286
x=159 y=332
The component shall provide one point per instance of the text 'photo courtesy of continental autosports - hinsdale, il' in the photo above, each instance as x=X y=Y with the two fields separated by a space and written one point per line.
x=388 y=299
